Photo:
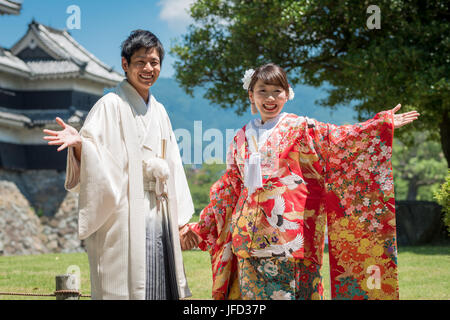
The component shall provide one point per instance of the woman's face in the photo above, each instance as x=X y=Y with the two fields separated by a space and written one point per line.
x=269 y=99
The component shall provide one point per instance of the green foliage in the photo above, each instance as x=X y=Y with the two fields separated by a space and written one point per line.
x=443 y=198
x=40 y=212
x=326 y=42
x=419 y=170
x=200 y=181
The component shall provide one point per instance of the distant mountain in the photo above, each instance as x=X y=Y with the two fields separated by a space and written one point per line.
x=185 y=111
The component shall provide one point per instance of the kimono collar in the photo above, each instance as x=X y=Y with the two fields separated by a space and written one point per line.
x=136 y=101
x=257 y=134
x=269 y=123
x=147 y=113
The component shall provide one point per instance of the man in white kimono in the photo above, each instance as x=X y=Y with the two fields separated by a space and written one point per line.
x=133 y=194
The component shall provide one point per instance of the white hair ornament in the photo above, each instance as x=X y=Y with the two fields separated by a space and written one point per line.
x=247 y=78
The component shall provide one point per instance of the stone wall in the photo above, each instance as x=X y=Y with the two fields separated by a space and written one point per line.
x=44 y=189
x=61 y=230
x=20 y=229
x=23 y=232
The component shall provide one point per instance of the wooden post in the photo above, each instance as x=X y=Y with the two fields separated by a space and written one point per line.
x=67 y=287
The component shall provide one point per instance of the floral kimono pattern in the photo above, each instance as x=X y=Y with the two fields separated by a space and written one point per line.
x=313 y=174
x=279 y=279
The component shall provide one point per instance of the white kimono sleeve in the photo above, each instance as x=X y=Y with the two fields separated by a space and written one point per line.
x=180 y=199
x=72 y=182
x=100 y=177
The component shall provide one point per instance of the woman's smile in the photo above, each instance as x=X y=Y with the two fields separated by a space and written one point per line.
x=269 y=106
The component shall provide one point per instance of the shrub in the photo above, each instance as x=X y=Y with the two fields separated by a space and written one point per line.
x=442 y=196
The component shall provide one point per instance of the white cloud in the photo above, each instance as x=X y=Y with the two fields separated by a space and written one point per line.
x=175 y=13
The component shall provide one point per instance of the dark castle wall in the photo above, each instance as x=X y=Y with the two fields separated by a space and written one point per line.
x=47 y=99
x=38 y=157
x=31 y=157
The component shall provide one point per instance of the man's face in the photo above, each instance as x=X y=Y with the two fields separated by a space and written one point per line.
x=143 y=69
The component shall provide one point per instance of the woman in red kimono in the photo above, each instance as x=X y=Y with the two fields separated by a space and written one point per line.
x=287 y=178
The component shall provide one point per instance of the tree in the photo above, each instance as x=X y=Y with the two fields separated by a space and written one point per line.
x=200 y=181
x=326 y=42
x=417 y=171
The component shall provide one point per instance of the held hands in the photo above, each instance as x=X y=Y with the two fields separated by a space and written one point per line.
x=188 y=238
x=403 y=118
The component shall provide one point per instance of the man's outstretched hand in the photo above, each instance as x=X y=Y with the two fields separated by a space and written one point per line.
x=67 y=137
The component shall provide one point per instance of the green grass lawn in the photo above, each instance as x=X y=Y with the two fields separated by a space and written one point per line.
x=424 y=273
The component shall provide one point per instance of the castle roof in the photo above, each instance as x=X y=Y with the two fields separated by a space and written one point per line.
x=10 y=7
x=48 y=53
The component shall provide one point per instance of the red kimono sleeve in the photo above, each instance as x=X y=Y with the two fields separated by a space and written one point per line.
x=360 y=206
x=214 y=228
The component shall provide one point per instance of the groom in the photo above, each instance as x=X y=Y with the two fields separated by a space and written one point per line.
x=133 y=194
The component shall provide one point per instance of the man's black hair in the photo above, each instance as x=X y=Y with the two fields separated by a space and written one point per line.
x=141 y=39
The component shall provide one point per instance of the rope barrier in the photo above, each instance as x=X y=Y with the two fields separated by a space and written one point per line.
x=66 y=289
x=28 y=294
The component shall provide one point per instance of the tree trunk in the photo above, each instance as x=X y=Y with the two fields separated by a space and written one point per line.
x=413 y=187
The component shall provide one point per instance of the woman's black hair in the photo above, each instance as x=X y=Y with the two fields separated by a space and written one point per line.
x=272 y=74
x=141 y=39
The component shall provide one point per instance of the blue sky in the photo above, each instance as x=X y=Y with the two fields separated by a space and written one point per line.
x=104 y=24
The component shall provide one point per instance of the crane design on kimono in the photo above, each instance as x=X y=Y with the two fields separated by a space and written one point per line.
x=281 y=250
x=293 y=180
x=276 y=219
